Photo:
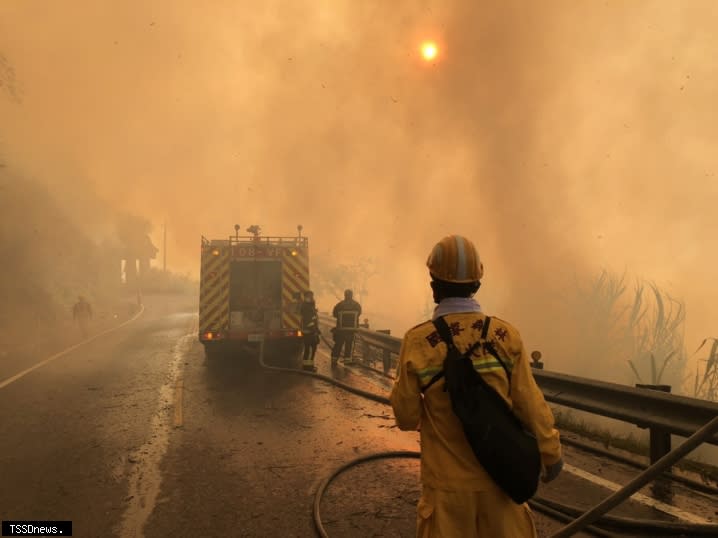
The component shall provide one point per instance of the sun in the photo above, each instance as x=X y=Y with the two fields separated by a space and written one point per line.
x=429 y=50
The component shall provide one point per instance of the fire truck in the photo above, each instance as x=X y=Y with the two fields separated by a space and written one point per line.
x=251 y=288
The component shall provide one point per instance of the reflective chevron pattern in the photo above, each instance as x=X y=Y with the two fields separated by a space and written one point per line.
x=295 y=279
x=214 y=290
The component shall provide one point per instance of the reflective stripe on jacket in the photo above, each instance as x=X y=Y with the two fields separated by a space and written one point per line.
x=347 y=305
x=447 y=461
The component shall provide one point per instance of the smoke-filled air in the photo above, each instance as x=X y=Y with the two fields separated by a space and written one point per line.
x=573 y=142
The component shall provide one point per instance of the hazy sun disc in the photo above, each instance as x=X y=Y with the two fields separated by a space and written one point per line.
x=429 y=50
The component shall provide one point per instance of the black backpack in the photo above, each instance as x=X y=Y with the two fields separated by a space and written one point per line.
x=502 y=445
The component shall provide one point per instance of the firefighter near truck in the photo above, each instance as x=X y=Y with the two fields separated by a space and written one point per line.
x=250 y=291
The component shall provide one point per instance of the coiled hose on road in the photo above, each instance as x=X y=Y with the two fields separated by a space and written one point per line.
x=578 y=519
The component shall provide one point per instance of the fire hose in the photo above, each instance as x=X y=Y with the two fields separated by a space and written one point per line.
x=577 y=518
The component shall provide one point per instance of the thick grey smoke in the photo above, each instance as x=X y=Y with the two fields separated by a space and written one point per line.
x=561 y=139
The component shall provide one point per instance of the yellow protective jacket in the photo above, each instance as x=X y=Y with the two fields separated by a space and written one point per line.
x=447 y=461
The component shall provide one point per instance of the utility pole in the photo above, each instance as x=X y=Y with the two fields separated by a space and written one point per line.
x=164 y=246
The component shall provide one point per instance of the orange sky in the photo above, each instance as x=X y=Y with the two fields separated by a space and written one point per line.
x=561 y=140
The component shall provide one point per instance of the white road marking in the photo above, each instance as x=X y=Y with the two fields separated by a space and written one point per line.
x=14 y=378
x=638 y=497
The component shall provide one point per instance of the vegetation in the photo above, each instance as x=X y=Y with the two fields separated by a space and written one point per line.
x=643 y=328
x=47 y=262
x=657 y=328
x=158 y=281
x=706 y=386
x=51 y=258
x=332 y=280
x=565 y=420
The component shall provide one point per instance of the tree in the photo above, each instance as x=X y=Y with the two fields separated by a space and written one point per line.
x=133 y=233
x=332 y=279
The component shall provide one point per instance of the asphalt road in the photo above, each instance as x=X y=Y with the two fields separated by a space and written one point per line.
x=137 y=434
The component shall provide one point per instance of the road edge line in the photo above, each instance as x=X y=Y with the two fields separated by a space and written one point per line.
x=17 y=376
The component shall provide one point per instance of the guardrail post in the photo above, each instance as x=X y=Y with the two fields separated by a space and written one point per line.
x=386 y=354
x=660 y=439
x=365 y=351
x=386 y=360
x=659 y=446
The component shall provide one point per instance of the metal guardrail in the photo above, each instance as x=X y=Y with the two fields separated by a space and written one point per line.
x=662 y=413
x=677 y=415
x=377 y=350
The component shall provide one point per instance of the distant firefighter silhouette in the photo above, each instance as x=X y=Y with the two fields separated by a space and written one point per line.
x=82 y=314
x=347 y=313
x=310 y=330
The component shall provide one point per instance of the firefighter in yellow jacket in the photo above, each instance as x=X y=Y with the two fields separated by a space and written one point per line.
x=459 y=499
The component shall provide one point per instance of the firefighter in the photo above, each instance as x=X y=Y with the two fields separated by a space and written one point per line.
x=347 y=313
x=82 y=314
x=459 y=499
x=310 y=330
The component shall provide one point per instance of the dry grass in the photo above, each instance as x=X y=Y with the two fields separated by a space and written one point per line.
x=643 y=328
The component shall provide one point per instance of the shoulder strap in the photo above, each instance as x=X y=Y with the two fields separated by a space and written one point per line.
x=445 y=332
x=485 y=328
x=490 y=348
x=443 y=329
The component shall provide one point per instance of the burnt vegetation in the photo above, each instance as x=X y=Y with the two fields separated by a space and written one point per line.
x=50 y=259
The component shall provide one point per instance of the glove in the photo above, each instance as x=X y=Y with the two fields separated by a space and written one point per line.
x=552 y=471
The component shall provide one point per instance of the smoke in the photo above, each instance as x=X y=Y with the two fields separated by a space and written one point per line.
x=8 y=85
x=561 y=139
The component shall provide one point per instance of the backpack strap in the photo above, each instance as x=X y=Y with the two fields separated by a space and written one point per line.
x=485 y=328
x=489 y=347
x=445 y=332
x=443 y=329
